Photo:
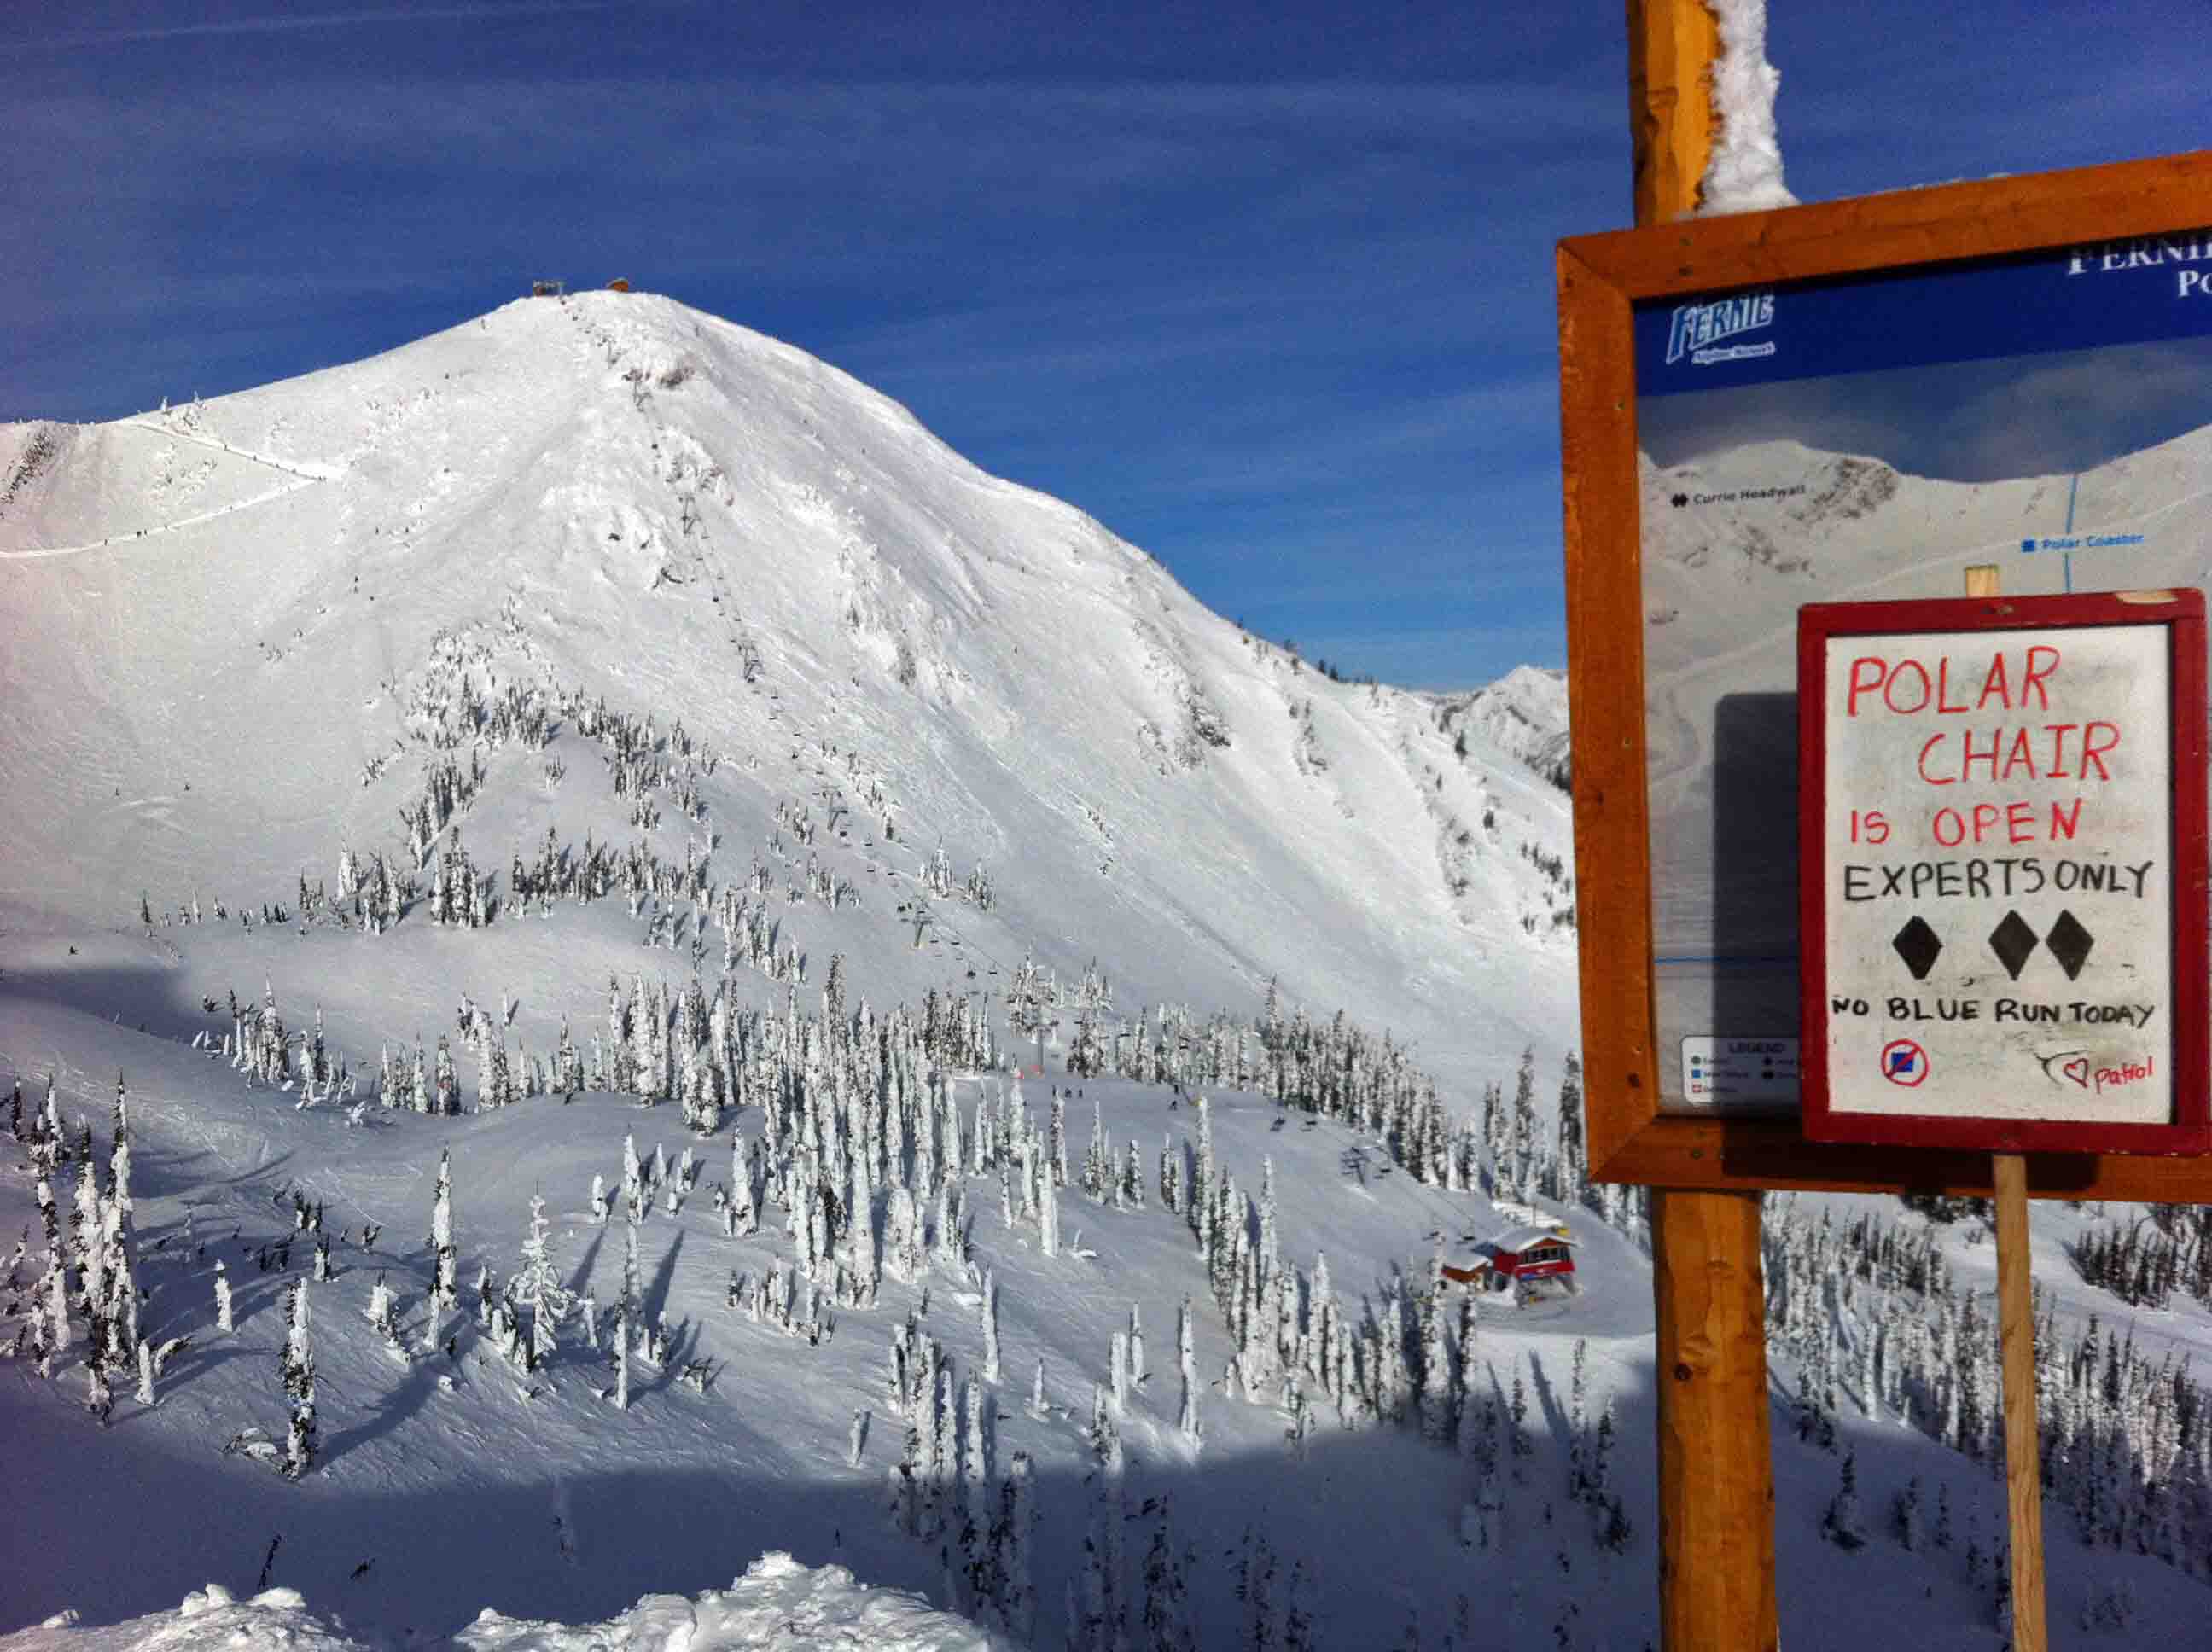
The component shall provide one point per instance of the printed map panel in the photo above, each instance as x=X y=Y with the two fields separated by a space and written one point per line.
x=1864 y=439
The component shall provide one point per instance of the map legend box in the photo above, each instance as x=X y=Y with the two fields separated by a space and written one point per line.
x=1739 y=1071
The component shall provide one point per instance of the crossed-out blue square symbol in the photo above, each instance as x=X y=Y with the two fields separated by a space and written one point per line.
x=1901 y=1061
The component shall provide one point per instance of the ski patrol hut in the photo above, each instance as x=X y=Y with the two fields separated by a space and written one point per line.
x=1519 y=1259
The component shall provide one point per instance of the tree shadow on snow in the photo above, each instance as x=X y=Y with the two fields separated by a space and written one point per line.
x=1373 y=1513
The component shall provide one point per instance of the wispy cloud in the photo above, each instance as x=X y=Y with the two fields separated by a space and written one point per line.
x=290 y=22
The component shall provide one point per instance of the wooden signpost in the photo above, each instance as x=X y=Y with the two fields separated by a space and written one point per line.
x=1718 y=294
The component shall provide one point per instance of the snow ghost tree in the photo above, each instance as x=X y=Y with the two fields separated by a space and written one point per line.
x=990 y=1326
x=299 y=1372
x=445 y=1289
x=626 y=1315
x=1186 y=1421
x=537 y=1287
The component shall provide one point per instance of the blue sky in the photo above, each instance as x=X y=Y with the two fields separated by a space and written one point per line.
x=1266 y=289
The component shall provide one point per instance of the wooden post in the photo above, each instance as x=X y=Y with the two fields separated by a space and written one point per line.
x=1716 y=1455
x=2016 y=1337
x=2023 y=1457
x=1672 y=45
x=1715 y=1459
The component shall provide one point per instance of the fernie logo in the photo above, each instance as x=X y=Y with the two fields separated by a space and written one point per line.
x=1698 y=329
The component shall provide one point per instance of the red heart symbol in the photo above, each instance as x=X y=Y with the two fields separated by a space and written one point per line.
x=2078 y=1071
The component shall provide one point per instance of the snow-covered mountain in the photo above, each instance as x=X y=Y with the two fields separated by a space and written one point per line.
x=610 y=594
x=598 y=641
x=223 y=613
x=1525 y=712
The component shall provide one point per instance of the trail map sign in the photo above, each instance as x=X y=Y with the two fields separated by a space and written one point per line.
x=2001 y=812
x=1866 y=438
x=1854 y=402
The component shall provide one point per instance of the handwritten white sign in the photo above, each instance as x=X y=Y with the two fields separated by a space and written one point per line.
x=1998 y=880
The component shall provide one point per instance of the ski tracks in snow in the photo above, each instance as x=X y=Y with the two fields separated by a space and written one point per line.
x=564 y=1521
x=303 y=469
x=304 y=475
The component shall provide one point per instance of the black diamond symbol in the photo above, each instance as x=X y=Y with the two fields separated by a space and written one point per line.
x=2069 y=943
x=1917 y=945
x=2012 y=941
x=1679 y=501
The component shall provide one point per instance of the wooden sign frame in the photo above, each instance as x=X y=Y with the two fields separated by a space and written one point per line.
x=1601 y=279
x=2180 y=615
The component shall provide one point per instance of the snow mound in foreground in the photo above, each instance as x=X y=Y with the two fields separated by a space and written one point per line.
x=778 y=1606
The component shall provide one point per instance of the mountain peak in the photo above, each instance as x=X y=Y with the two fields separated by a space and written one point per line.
x=240 y=604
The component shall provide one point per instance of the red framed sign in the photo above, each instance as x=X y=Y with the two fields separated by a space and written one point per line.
x=2003 y=879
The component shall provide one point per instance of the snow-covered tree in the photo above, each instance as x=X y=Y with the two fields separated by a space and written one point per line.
x=1186 y=1421
x=1435 y=1365
x=632 y=1182
x=119 y=1158
x=626 y=1315
x=1105 y=1433
x=1839 y=1521
x=299 y=1373
x=444 y=1257
x=1012 y=1547
x=990 y=1312
x=1164 y=1622
x=744 y=1210
x=447 y=1098
x=537 y=1291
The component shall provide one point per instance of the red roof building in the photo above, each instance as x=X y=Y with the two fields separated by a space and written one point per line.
x=1521 y=1256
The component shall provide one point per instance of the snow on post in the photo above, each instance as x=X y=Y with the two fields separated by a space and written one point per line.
x=1744 y=172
